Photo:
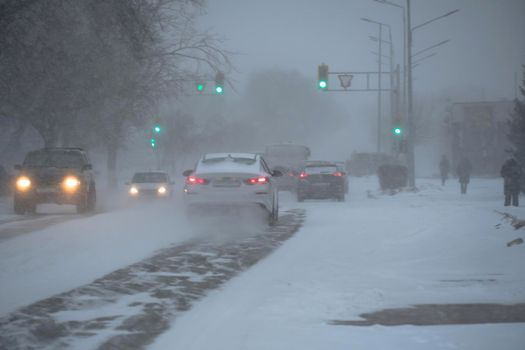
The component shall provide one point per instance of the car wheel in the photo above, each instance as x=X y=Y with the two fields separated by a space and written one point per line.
x=274 y=215
x=82 y=204
x=19 y=205
x=92 y=198
x=31 y=207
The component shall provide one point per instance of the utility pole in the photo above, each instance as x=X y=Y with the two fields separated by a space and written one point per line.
x=410 y=110
x=379 y=93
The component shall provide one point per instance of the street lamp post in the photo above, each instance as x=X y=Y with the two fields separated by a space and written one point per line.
x=380 y=70
x=411 y=131
x=409 y=109
x=394 y=77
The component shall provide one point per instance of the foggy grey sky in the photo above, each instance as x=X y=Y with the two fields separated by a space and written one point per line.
x=486 y=49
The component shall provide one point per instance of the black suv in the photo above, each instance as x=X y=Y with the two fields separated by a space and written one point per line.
x=55 y=175
x=321 y=179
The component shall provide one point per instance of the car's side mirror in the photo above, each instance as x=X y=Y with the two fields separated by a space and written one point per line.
x=277 y=173
x=18 y=167
x=187 y=172
x=87 y=167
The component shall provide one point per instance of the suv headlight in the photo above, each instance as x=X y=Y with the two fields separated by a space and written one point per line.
x=161 y=190
x=71 y=183
x=23 y=183
x=133 y=191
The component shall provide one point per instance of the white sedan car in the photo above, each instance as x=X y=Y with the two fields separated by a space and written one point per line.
x=233 y=179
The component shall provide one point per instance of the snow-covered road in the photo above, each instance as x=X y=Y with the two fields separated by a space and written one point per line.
x=371 y=253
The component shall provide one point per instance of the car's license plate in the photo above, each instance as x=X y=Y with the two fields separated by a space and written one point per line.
x=227 y=182
x=46 y=190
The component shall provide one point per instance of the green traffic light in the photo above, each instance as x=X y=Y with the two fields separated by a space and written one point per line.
x=397 y=131
x=152 y=142
x=200 y=87
x=323 y=84
x=218 y=89
x=156 y=128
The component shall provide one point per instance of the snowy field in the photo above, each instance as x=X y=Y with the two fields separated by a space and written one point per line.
x=370 y=253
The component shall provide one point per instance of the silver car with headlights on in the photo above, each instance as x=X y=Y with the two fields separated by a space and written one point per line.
x=233 y=179
x=150 y=184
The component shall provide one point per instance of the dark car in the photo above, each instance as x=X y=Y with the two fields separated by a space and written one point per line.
x=55 y=175
x=321 y=179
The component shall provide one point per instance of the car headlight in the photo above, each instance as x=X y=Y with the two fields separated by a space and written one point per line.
x=161 y=190
x=133 y=191
x=23 y=183
x=71 y=183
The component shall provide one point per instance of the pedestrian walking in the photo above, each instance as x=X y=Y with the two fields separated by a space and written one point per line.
x=463 y=170
x=511 y=172
x=444 y=168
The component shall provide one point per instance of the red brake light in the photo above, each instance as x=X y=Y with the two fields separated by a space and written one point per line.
x=258 y=180
x=193 y=180
x=302 y=175
x=338 y=173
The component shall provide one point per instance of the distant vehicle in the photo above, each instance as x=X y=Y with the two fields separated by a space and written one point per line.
x=288 y=158
x=55 y=175
x=321 y=179
x=233 y=179
x=150 y=184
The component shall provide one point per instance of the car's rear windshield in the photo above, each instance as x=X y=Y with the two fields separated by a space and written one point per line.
x=58 y=159
x=149 y=177
x=238 y=160
x=320 y=169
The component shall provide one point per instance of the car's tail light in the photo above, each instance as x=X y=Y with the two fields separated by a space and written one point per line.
x=194 y=180
x=302 y=175
x=338 y=174
x=262 y=180
x=291 y=174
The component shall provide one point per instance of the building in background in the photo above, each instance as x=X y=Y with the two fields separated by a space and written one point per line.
x=478 y=131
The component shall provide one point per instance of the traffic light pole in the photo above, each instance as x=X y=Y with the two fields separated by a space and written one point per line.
x=379 y=93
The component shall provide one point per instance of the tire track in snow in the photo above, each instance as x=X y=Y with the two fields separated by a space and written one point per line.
x=128 y=308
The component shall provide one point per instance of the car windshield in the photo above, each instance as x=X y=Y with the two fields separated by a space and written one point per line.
x=321 y=169
x=58 y=159
x=149 y=177
x=239 y=160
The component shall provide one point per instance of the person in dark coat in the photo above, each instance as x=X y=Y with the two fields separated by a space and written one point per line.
x=444 y=168
x=463 y=170
x=511 y=172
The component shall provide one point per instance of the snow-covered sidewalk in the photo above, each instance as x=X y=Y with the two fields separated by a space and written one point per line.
x=434 y=246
